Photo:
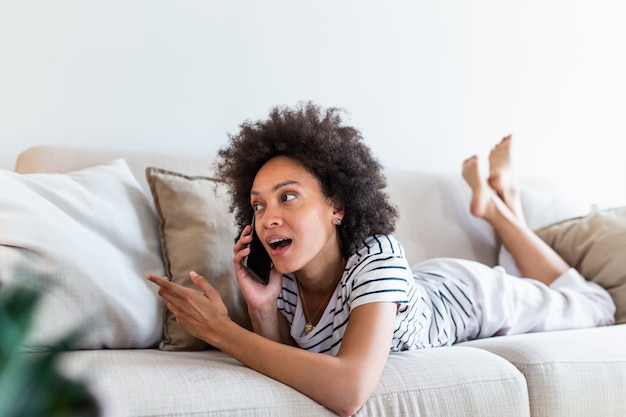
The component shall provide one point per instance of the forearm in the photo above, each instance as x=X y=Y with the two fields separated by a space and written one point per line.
x=271 y=324
x=265 y=323
x=338 y=384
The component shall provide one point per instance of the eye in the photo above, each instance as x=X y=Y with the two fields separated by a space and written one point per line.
x=256 y=207
x=288 y=197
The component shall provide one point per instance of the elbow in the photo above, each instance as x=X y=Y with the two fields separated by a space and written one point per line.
x=349 y=389
x=350 y=400
x=349 y=409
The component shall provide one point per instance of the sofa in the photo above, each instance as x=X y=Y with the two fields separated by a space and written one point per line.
x=83 y=225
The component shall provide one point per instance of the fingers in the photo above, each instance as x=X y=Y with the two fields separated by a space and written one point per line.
x=168 y=288
x=241 y=249
x=244 y=241
x=162 y=282
x=204 y=286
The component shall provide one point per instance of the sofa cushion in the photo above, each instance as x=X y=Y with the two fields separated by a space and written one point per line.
x=197 y=231
x=448 y=381
x=572 y=373
x=84 y=240
x=595 y=245
x=442 y=382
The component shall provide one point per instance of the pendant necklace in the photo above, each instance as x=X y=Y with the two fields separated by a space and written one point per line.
x=308 y=327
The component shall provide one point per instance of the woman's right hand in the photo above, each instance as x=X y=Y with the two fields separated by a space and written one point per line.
x=259 y=297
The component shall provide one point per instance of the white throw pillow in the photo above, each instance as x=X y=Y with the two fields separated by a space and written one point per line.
x=83 y=240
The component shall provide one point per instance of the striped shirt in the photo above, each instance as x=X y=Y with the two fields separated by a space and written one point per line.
x=432 y=310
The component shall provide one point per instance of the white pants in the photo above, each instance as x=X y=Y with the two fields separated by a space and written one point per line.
x=505 y=304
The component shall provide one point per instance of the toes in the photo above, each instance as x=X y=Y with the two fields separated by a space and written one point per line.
x=470 y=159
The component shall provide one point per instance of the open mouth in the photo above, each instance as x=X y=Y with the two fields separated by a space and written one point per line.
x=279 y=243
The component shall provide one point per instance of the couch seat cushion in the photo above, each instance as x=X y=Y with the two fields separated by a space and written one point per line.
x=448 y=381
x=570 y=373
x=453 y=381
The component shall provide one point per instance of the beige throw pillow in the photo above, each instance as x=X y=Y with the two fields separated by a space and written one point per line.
x=596 y=246
x=197 y=233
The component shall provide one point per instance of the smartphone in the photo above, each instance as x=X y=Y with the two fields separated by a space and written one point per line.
x=258 y=262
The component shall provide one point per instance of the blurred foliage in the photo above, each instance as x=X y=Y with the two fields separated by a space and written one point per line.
x=30 y=383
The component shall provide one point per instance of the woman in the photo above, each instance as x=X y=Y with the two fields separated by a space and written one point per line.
x=341 y=295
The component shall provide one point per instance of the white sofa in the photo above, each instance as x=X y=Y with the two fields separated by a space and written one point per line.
x=565 y=373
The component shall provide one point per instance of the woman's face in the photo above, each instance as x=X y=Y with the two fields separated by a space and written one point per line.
x=294 y=220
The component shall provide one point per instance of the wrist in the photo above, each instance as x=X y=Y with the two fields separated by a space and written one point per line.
x=223 y=333
x=263 y=314
x=265 y=323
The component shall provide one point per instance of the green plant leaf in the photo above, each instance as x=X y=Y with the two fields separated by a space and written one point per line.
x=30 y=383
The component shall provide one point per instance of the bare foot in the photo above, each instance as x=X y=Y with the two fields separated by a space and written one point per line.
x=482 y=195
x=501 y=176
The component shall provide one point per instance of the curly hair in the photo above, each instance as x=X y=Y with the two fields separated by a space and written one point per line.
x=335 y=154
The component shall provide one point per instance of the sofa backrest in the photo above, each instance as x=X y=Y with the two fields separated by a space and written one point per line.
x=49 y=158
x=434 y=217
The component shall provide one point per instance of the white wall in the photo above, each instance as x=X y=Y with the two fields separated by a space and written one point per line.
x=428 y=83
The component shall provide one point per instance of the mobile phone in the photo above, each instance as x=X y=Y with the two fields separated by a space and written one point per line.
x=258 y=262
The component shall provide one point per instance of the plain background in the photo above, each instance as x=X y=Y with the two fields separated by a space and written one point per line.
x=428 y=83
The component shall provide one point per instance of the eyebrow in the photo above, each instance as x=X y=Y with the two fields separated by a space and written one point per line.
x=278 y=186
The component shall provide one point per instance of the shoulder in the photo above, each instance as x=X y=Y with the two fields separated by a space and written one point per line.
x=375 y=246
x=377 y=251
x=377 y=267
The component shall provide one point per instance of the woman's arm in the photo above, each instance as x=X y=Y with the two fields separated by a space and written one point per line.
x=342 y=383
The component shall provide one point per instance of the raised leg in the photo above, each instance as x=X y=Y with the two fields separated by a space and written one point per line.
x=533 y=256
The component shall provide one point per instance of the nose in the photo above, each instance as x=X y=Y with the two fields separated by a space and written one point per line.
x=271 y=216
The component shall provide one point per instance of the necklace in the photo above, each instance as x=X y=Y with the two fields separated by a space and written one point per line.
x=308 y=327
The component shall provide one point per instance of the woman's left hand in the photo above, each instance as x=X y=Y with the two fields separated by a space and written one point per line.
x=197 y=312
